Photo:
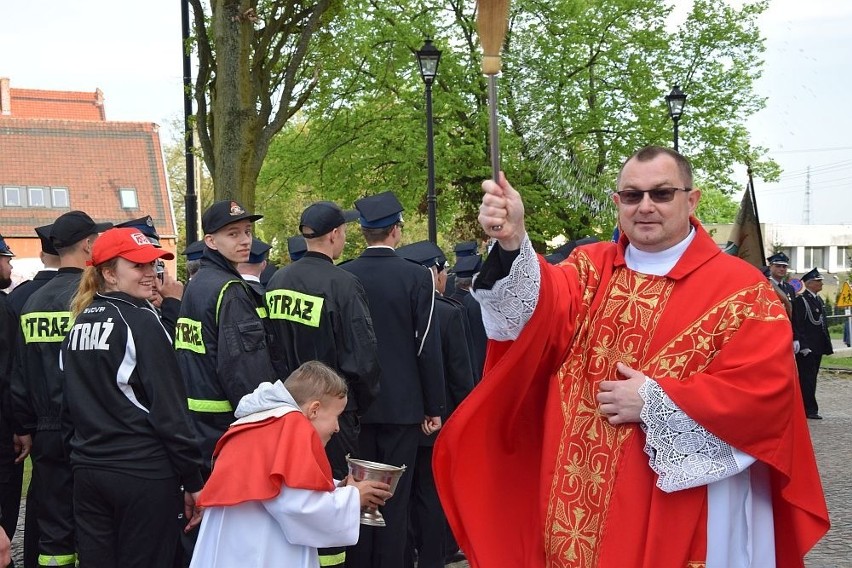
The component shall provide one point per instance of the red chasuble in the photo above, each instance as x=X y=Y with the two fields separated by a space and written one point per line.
x=531 y=475
x=253 y=460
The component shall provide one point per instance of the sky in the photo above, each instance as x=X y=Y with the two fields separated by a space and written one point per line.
x=132 y=51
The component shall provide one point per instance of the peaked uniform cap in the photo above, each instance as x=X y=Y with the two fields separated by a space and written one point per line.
x=194 y=251
x=296 y=247
x=43 y=233
x=426 y=253
x=779 y=258
x=467 y=266
x=146 y=226
x=4 y=248
x=465 y=248
x=813 y=274
x=224 y=213
x=258 y=251
x=379 y=211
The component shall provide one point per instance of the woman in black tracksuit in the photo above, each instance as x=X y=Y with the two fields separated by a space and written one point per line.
x=124 y=417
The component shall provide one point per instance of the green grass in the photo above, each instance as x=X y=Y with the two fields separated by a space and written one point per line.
x=844 y=362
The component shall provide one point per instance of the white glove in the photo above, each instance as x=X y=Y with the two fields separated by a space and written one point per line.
x=795 y=346
x=805 y=352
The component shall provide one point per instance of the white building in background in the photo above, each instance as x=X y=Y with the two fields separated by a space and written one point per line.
x=827 y=247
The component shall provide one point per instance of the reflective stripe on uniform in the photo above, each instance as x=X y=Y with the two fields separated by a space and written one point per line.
x=57 y=559
x=332 y=559
x=46 y=327
x=198 y=405
x=294 y=306
x=188 y=336
x=222 y=293
x=261 y=312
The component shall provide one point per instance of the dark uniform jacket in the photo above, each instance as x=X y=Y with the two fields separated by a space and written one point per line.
x=223 y=346
x=400 y=294
x=9 y=338
x=809 y=324
x=124 y=398
x=22 y=292
x=458 y=371
x=479 y=339
x=319 y=312
x=37 y=380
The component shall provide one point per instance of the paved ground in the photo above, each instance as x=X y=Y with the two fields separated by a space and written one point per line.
x=832 y=438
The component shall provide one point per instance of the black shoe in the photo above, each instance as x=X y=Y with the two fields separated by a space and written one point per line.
x=814 y=416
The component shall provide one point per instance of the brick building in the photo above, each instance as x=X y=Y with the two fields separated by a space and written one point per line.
x=58 y=152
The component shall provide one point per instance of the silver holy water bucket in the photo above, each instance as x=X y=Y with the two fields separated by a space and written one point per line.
x=374 y=471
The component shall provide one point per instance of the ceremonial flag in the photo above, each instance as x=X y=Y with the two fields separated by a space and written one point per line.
x=745 y=240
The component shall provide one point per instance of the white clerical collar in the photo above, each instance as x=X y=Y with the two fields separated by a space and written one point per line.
x=657 y=263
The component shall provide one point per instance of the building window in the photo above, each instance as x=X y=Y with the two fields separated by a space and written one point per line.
x=59 y=196
x=12 y=196
x=814 y=257
x=35 y=197
x=844 y=258
x=128 y=198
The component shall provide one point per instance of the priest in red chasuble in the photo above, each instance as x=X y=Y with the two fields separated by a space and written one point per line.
x=640 y=406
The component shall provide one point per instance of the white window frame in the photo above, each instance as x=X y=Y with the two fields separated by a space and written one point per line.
x=126 y=192
x=54 y=191
x=33 y=191
x=15 y=189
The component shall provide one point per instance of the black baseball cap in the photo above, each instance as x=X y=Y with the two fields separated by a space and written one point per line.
x=224 y=213
x=323 y=217
x=72 y=227
x=43 y=233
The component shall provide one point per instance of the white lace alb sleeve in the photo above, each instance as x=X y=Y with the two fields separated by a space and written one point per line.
x=683 y=453
x=510 y=303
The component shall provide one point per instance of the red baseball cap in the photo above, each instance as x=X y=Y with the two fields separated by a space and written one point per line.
x=128 y=243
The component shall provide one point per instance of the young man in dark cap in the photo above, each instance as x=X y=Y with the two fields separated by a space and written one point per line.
x=431 y=536
x=465 y=269
x=36 y=384
x=810 y=339
x=319 y=311
x=411 y=397
x=222 y=343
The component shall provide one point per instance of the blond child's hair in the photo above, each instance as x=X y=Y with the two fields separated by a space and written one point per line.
x=314 y=380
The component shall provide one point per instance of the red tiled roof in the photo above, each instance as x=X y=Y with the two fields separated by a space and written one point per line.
x=93 y=160
x=65 y=105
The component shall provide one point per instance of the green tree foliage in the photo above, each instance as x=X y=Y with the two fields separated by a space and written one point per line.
x=259 y=62
x=582 y=87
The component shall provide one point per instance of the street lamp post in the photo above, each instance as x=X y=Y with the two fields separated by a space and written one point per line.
x=675 y=101
x=428 y=58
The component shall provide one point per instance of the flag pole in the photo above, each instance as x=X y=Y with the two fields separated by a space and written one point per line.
x=750 y=189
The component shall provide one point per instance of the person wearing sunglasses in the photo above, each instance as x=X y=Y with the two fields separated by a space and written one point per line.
x=639 y=404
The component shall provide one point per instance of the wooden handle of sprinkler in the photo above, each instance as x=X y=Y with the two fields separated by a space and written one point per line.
x=494 y=133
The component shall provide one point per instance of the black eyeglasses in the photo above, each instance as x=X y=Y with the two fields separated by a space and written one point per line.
x=657 y=195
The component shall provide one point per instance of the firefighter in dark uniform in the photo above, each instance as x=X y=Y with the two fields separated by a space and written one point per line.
x=131 y=446
x=17 y=298
x=465 y=269
x=193 y=253
x=319 y=312
x=464 y=248
x=222 y=342
x=429 y=525
x=401 y=296
x=810 y=339
x=778 y=264
x=36 y=385
x=12 y=450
